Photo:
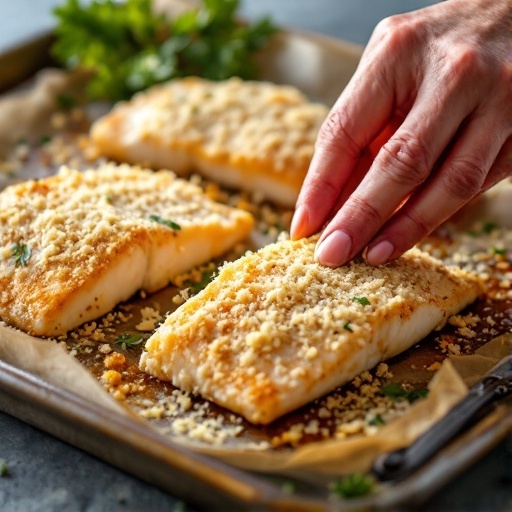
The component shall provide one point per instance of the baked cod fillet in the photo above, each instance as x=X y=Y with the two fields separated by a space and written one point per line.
x=276 y=330
x=254 y=136
x=74 y=245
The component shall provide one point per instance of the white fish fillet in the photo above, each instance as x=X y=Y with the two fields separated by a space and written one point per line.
x=95 y=238
x=254 y=136
x=276 y=330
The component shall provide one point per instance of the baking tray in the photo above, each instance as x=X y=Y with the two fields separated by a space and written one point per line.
x=131 y=446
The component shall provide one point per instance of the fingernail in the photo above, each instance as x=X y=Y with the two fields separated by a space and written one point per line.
x=299 y=222
x=379 y=254
x=334 y=250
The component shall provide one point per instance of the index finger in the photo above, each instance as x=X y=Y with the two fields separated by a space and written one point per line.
x=351 y=125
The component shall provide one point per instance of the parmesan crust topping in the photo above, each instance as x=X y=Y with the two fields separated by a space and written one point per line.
x=275 y=330
x=241 y=133
x=74 y=245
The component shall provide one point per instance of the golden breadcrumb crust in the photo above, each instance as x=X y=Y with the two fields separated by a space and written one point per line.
x=78 y=225
x=248 y=130
x=275 y=329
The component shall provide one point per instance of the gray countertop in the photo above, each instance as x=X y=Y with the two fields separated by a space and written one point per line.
x=46 y=474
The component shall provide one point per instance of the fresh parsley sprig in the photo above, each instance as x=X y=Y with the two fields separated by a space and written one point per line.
x=130 y=48
x=128 y=340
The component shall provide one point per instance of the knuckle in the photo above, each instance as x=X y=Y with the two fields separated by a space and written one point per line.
x=318 y=186
x=420 y=227
x=362 y=209
x=334 y=134
x=405 y=161
x=398 y=32
x=465 y=177
x=466 y=63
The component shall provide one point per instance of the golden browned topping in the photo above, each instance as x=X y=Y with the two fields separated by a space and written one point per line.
x=250 y=121
x=275 y=329
x=61 y=236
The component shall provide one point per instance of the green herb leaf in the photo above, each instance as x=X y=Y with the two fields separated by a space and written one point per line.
x=489 y=227
x=4 y=470
x=66 y=101
x=21 y=254
x=206 y=278
x=44 y=139
x=362 y=300
x=415 y=394
x=499 y=252
x=165 y=222
x=377 y=421
x=397 y=392
x=128 y=340
x=348 y=327
x=130 y=48
x=289 y=487
x=354 y=486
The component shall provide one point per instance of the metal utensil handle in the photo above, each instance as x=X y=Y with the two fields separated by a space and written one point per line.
x=398 y=464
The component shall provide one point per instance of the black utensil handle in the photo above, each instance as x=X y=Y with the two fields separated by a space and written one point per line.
x=398 y=464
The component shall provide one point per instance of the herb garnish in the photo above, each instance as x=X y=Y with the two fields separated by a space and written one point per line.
x=355 y=485
x=66 y=101
x=348 y=327
x=362 y=300
x=44 y=139
x=397 y=392
x=4 y=470
x=489 y=227
x=165 y=222
x=21 y=254
x=127 y=340
x=376 y=421
x=499 y=251
x=129 y=47
x=289 y=487
x=206 y=277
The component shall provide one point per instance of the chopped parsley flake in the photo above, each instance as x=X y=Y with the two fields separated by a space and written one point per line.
x=289 y=487
x=362 y=300
x=169 y=223
x=489 y=227
x=355 y=485
x=348 y=327
x=44 y=139
x=127 y=340
x=376 y=421
x=66 y=101
x=4 y=470
x=397 y=392
x=206 y=277
x=21 y=254
x=498 y=251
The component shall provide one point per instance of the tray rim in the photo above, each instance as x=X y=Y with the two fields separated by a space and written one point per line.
x=73 y=419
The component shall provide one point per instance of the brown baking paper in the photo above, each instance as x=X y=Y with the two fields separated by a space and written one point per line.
x=357 y=453
x=51 y=362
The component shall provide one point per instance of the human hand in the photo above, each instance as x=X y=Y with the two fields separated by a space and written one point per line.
x=424 y=126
